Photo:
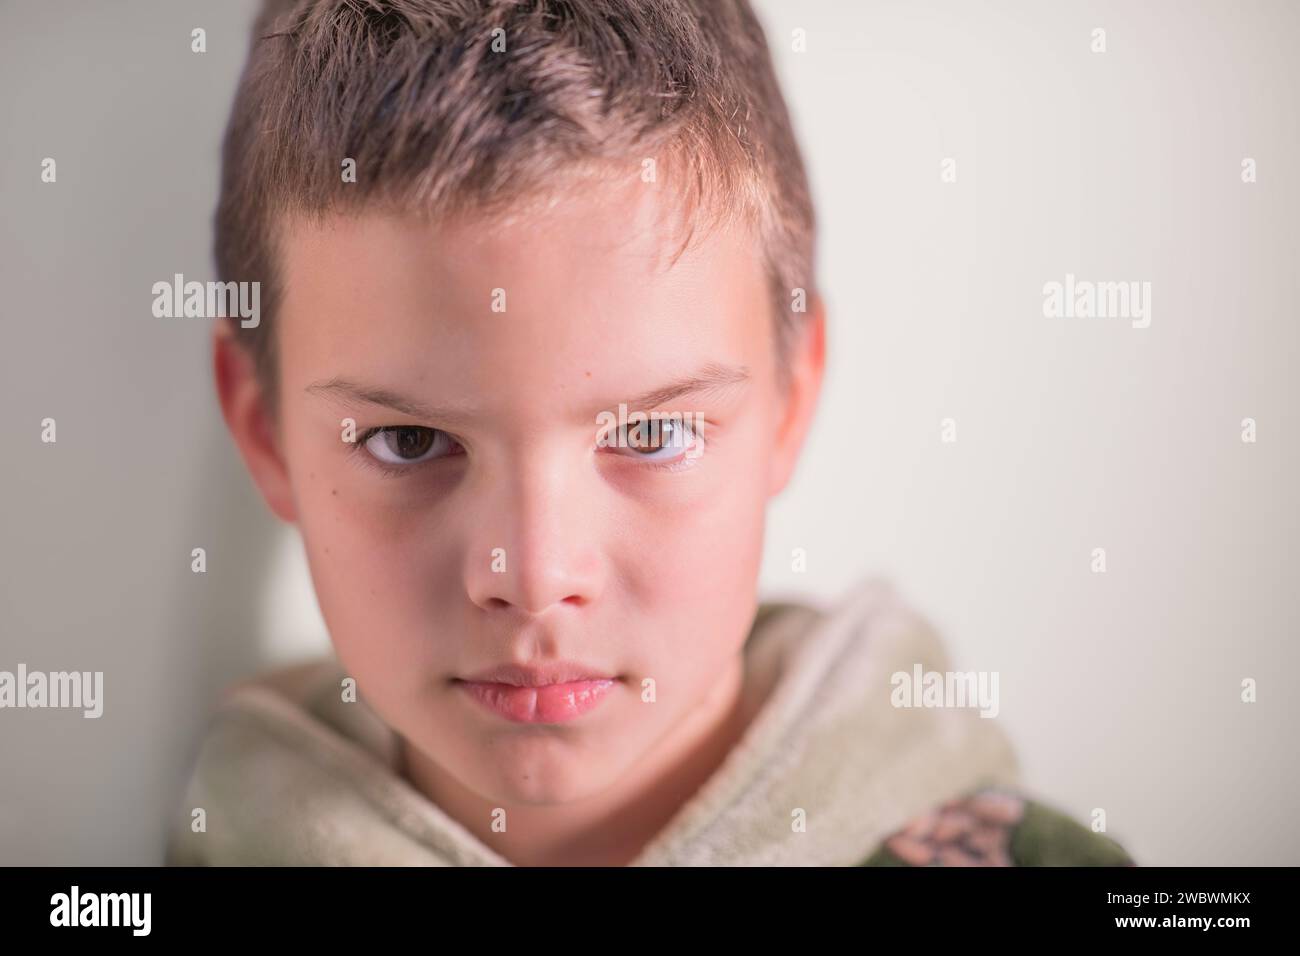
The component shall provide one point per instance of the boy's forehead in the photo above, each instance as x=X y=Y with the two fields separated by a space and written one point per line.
x=578 y=238
x=599 y=279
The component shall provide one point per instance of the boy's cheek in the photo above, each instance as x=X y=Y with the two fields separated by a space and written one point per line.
x=378 y=587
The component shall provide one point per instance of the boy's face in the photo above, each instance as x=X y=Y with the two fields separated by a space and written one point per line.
x=491 y=526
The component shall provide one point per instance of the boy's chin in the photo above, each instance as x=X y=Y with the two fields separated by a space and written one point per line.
x=553 y=792
x=531 y=770
x=549 y=783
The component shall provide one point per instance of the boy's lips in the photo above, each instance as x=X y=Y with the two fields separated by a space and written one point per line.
x=545 y=694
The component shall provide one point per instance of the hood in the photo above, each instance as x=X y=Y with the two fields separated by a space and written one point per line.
x=290 y=774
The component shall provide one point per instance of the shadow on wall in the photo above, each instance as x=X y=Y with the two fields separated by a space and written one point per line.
x=219 y=633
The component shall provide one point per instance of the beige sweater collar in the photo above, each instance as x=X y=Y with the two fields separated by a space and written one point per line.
x=290 y=774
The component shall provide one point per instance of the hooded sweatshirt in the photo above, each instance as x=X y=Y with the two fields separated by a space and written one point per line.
x=834 y=769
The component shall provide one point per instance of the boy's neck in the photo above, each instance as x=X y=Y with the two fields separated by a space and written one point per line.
x=612 y=827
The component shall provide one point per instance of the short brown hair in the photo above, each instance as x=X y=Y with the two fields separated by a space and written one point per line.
x=438 y=118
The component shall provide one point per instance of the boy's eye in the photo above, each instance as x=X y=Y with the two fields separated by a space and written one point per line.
x=656 y=440
x=408 y=444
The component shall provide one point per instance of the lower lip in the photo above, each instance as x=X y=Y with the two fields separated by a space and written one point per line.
x=552 y=704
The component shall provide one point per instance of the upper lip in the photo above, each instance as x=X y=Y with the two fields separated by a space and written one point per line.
x=538 y=675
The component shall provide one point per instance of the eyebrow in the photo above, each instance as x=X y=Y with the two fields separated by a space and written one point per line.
x=712 y=377
x=377 y=395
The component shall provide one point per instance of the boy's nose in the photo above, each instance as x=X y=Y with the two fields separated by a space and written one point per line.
x=533 y=546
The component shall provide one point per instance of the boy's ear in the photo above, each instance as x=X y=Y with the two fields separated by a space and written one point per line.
x=244 y=407
x=807 y=364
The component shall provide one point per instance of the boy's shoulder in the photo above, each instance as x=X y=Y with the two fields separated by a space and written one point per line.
x=315 y=693
x=997 y=827
x=292 y=768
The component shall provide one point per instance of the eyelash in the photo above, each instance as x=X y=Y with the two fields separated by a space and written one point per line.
x=385 y=469
x=681 y=463
x=358 y=448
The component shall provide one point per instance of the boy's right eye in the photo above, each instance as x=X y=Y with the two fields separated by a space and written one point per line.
x=408 y=444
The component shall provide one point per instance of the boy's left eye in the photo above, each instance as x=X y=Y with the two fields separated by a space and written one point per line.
x=656 y=440
x=408 y=444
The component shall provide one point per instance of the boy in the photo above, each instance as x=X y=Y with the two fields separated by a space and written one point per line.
x=540 y=337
